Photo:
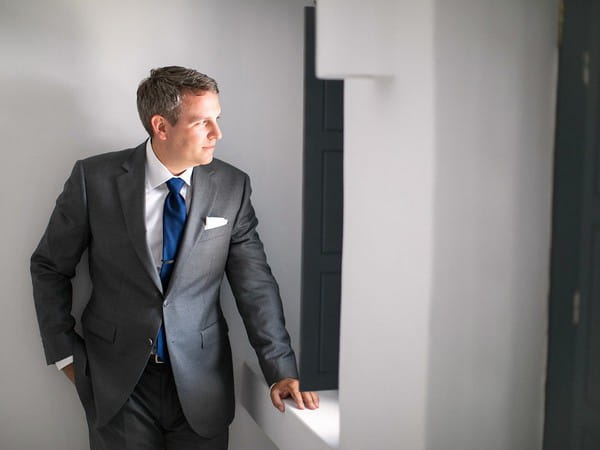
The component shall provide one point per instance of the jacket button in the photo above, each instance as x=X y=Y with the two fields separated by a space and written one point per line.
x=150 y=342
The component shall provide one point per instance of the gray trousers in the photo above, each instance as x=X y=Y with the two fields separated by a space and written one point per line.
x=152 y=419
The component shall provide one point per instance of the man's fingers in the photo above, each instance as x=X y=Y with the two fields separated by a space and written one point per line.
x=310 y=400
x=296 y=395
x=290 y=387
x=276 y=399
x=316 y=398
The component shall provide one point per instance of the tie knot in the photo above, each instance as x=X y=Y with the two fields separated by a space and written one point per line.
x=175 y=185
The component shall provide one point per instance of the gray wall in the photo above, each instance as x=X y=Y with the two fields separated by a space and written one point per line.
x=448 y=179
x=67 y=90
x=495 y=81
x=449 y=148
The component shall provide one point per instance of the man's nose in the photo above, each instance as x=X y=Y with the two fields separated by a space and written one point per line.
x=215 y=132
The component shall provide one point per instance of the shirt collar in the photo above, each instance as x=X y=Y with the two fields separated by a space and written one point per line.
x=157 y=173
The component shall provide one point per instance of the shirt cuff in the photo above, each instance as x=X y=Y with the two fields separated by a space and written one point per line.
x=60 y=365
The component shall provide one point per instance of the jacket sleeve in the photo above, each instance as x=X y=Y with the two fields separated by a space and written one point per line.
x=257 y=295
x=53 y=265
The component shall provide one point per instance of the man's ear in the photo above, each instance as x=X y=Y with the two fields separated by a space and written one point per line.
x=159 y=126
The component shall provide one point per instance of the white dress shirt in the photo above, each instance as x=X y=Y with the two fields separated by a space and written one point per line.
x=157 y=176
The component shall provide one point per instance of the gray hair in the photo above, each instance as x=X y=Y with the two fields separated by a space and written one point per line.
x=162 y=92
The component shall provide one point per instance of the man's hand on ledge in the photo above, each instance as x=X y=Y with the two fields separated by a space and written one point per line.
x=290 y=387
x=69 y=371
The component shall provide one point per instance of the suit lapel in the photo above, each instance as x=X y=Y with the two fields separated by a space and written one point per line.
x=131 y=186
x=204 y=190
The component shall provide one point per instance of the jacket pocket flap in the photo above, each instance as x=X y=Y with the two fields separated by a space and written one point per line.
x=99 y=327
x=214 y=333
x=213 y=233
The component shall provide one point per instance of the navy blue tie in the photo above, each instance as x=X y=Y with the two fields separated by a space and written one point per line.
x=174 y=216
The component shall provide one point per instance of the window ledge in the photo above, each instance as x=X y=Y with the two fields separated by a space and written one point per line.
x=295 y=428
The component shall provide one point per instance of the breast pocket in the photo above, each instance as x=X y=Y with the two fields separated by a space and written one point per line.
x=222 y=232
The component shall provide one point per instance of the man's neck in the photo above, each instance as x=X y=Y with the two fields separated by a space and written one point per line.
x=162 y=152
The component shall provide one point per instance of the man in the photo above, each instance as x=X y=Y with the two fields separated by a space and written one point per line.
x=162 y=224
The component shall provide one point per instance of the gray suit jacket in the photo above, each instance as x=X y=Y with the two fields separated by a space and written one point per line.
x=102 y=209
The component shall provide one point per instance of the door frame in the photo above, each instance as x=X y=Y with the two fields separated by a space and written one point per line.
x=567 y=227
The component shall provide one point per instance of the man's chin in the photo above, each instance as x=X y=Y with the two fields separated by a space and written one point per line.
x=205 y=161
x=205 y=156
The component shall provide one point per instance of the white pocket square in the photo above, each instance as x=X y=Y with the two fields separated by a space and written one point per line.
x=214 y=222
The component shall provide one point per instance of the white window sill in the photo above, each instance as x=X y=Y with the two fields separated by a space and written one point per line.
x=294 y=429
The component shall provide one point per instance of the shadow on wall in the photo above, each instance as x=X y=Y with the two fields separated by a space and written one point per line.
x=43 y=129
x=494 y=108
x=46 y=134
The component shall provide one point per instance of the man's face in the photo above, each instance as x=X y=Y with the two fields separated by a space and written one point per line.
x=191 y=141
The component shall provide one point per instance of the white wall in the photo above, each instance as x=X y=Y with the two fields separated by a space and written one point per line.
x=448 y=151
x=67 y=90
x=495 y=91
x=388 y=219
